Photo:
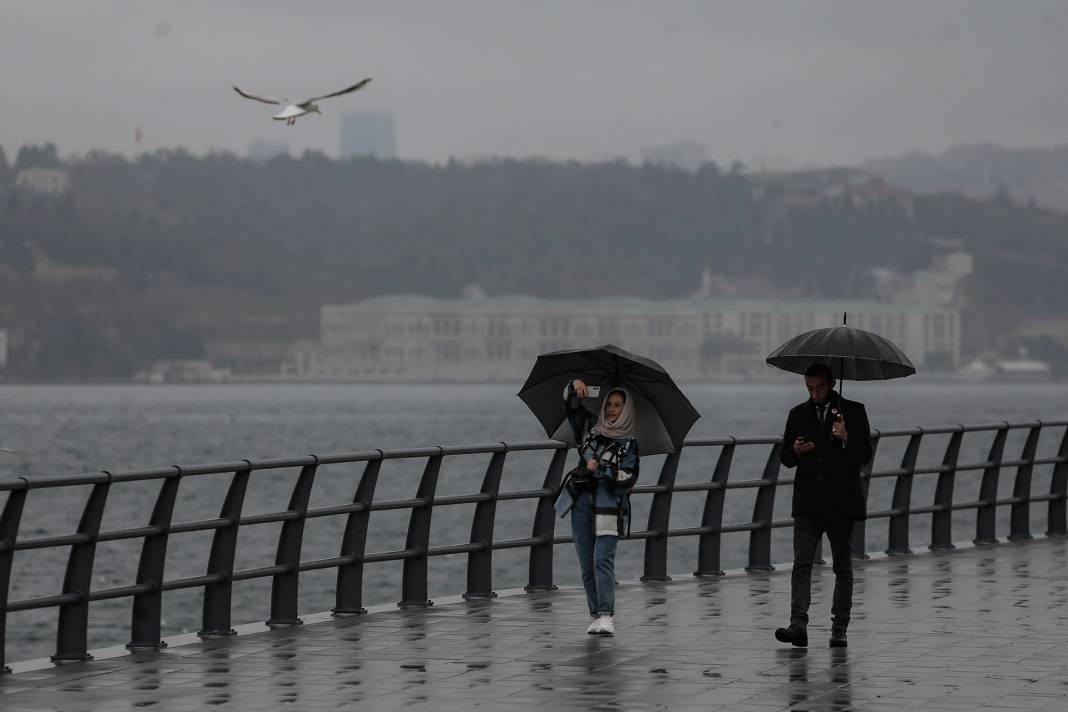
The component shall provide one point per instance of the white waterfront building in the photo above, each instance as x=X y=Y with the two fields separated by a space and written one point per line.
x=48 y=181
x=418 y=338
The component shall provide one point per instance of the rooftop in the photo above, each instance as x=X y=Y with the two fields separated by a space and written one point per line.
x=776 y=305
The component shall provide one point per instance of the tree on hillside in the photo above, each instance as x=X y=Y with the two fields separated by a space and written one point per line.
x=43 y=156
x=168 y=251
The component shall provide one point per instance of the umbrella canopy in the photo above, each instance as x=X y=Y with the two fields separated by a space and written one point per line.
x=663 y=415
x=853 y=354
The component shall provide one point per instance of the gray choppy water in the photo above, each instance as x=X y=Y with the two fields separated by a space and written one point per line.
x=74 y=429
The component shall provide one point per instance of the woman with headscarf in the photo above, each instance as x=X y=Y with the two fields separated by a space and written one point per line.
x=601 y=486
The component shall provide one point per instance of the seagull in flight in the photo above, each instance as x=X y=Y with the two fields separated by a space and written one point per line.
x=294 y=110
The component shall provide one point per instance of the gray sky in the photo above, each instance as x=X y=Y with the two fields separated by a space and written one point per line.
x=785 y=83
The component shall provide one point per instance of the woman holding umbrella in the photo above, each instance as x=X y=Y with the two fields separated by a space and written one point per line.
x=601 y=482
x=643 y=406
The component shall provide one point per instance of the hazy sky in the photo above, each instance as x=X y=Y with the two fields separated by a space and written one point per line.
x=786 y=83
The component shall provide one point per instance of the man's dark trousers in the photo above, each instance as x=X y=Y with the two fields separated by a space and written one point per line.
x=807 y=534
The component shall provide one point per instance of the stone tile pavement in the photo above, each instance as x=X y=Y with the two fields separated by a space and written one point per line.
x=977 y=628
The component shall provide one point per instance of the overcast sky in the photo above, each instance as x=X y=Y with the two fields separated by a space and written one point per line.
x=784 y=84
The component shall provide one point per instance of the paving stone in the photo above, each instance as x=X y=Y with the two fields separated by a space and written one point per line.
x=972 y=629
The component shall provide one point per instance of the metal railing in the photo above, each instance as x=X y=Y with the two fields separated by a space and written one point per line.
x=218 y=580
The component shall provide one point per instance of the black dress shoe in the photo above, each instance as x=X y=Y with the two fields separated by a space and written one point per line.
x=794 y=635
x=838 y=637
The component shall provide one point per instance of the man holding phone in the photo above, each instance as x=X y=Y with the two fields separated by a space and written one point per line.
x=828 y=440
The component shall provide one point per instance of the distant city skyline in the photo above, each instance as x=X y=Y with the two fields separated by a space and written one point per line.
x=767 y=83
x=368 y=133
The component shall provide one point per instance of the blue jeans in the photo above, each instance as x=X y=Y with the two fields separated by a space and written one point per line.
x=597 y=558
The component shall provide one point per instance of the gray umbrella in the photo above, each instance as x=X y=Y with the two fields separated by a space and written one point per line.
x=663 y=415
x=853 y=354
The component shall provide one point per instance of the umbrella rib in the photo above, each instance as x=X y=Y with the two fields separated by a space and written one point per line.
x=855 y=358
x=590 y=374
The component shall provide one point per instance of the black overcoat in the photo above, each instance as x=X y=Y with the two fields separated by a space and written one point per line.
x=827 y=484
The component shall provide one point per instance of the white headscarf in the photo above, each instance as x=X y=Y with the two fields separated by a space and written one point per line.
x=623 y=427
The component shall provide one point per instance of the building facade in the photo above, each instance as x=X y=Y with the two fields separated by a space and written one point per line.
x=47 y=181
x=426 y=339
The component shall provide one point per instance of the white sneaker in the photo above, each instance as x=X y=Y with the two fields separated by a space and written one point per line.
x=607 y=626
x=595 y=627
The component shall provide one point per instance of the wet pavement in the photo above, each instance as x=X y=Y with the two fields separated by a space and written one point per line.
x=978 y=628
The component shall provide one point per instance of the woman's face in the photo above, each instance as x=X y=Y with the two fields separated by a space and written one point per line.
x=613 y=407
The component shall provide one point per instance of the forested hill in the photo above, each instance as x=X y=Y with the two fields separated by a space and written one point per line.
x=983 y=170
x=149 y=259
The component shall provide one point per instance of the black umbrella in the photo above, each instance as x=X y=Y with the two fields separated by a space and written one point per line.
x=663 y=415
x=853 y=354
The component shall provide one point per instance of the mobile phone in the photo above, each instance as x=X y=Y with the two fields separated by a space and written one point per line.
x=593 y=391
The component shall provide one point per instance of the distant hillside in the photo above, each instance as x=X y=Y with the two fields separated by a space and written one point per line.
x=983 y=171
x=151 y=259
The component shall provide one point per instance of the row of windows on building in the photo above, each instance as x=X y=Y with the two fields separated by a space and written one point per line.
x=753 y=326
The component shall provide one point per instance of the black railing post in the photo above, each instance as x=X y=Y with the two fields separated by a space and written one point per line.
x=349 y=599
x=9 y=532
x=414 y=579
x=147 y=607
x=708 y=546
x=71 y=635
x=540 y=574
x=285 y=587
x=942 y=518
x=763 y=512
x=218 y=594
x=860 y=542
x=480 y=563
x=1058 y=487
x=986 y=512
x=898 y=540
x=660 y=522
x=1020 y=522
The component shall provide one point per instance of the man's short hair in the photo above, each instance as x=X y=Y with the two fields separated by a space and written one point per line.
x=820 y=370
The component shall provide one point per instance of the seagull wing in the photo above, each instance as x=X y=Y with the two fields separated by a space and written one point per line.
x=264 y=99
x=354 y=87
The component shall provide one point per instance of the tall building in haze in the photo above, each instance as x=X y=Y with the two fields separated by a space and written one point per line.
x=368 y=133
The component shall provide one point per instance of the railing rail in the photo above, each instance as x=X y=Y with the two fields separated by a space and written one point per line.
x=218 y=580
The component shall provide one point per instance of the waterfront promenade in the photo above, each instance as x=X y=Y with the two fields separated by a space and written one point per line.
x=976 y=628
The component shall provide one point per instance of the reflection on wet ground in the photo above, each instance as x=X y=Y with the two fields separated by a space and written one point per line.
x=970 y=629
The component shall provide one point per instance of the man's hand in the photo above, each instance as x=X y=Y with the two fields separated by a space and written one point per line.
x=838 y=429
x=802 y=446
x=591 y=465
x=580 y=388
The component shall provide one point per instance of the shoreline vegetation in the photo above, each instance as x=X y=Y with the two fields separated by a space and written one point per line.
x=160 y=258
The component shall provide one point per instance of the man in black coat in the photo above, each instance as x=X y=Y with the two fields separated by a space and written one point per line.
x=828 y=440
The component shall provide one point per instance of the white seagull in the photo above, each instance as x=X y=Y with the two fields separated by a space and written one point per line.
x=293 y=110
